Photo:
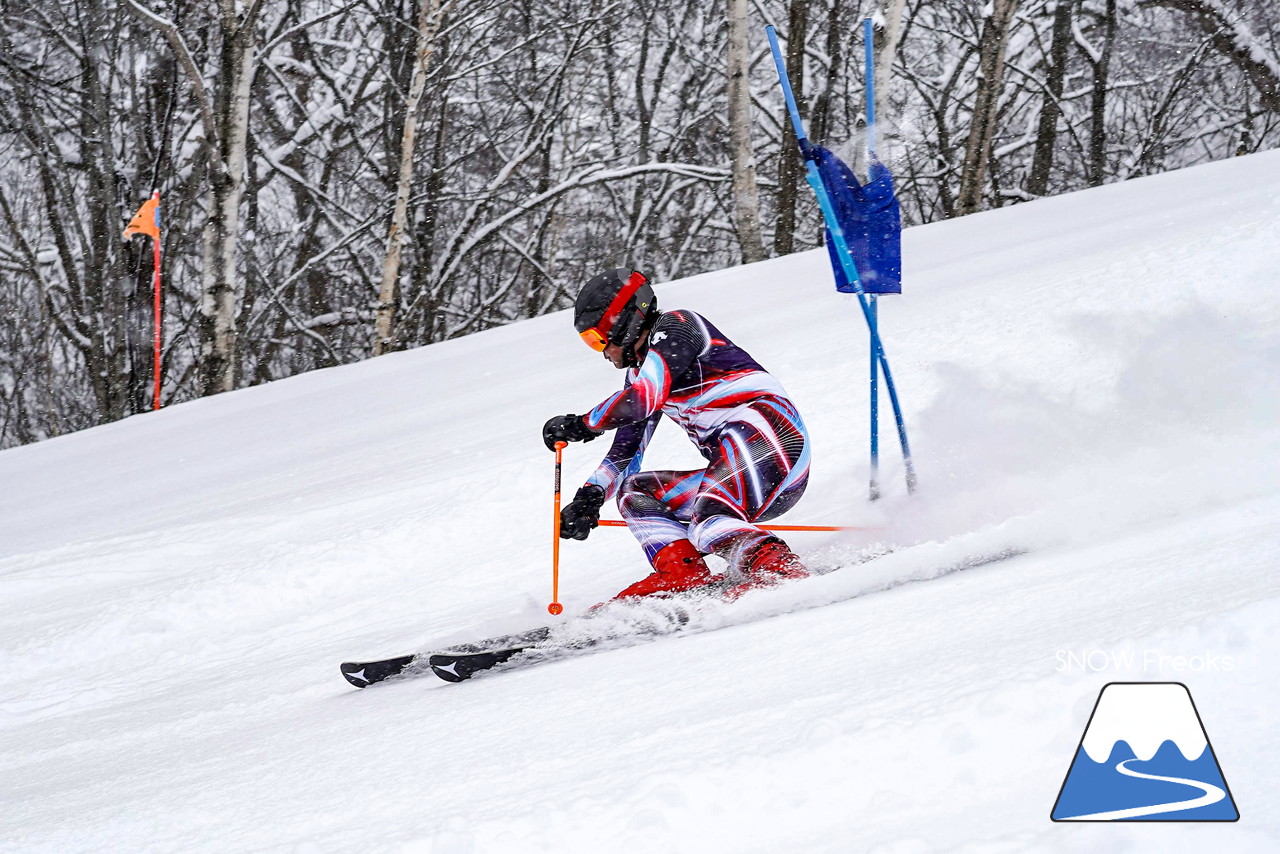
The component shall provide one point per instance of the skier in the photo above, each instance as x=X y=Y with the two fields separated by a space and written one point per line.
x=738 y=415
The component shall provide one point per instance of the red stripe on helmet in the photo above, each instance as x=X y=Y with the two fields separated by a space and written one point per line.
x=634 y=283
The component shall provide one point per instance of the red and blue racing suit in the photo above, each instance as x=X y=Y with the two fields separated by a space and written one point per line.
x=737 y=414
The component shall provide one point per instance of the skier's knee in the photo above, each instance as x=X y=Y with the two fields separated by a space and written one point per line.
x=636 y=500
x=628 y=485
x=638 y=483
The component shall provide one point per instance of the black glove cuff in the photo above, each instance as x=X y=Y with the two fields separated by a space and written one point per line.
x=590 y=494
x=578 y=431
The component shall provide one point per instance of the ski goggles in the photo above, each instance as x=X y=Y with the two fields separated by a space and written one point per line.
x=594 y=339
x=597 y=337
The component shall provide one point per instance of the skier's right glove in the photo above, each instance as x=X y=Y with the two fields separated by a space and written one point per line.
x=566 y=428
x=580 y=515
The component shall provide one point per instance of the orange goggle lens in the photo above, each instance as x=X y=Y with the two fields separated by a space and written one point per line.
x=594 y=339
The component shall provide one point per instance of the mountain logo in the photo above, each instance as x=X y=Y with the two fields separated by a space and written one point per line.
x=1145 y=756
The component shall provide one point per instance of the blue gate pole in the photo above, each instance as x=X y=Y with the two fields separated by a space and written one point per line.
x=874 y=486
x=814 y=178
x=868 y=35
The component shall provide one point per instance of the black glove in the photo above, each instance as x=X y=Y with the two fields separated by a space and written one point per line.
x=566 y=428
x=580 y=515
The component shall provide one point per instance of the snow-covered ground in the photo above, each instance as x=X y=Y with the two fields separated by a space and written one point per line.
x=1094 y=379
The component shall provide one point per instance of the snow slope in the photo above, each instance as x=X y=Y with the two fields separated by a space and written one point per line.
x=1090 y=378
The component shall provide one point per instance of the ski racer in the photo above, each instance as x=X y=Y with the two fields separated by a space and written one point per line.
x=739 y=416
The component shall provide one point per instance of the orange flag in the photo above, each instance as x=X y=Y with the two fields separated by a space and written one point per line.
x=146 y=220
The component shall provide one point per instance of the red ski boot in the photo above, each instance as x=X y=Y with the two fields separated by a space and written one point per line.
x=676 y=568
x=769 y=563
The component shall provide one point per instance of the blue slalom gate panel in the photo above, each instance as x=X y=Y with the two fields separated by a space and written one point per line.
x=871 y=221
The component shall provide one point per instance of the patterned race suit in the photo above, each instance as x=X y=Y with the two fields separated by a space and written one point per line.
x=739 y=416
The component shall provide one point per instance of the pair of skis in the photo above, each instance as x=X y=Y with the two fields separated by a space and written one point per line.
x=616 y=624
x=623 y=625
x=452 y=665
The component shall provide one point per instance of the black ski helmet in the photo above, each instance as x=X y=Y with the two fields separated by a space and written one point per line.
x=615 y=307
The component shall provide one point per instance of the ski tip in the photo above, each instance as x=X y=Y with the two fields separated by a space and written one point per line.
x=362 y=674
x=448 y=668
x=354 y=673
x=456 y=667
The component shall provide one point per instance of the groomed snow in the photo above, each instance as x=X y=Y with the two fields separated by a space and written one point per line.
x=1091 y=378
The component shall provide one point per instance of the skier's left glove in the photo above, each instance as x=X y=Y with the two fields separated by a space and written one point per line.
x=566 y=428
x=580 y=515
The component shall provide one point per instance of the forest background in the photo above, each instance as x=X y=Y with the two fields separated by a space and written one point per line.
x=344 y=179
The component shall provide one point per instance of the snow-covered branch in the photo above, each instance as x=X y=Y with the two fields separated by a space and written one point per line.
x=1234 y=39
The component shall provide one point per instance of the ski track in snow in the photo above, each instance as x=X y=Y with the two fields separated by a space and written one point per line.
x=1090 y=378
x=630 y=623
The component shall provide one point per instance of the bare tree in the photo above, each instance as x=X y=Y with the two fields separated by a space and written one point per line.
x=224 y=115
x=430 y=12
x=982 y=123
x=789 y=166
x=888 y=32
x=1234 y=39
x=60 y=112
x=1100 y=58
x=746 y=203
x=1051 y=107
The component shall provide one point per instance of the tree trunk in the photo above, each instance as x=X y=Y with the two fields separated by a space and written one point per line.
x=746 y=201
x=1101 y=70
x=429 y=14
x=219 y=301
x=224 y=117
x=1051 y=111
x=822 y=111
x=886 y=53
x=789 y=164
x=991 y=47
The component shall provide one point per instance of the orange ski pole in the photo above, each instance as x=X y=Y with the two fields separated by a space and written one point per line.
x=555 y=607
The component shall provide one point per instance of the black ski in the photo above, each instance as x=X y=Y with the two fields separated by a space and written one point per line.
x=462 y=661
x=362 y=673
x=456 y=666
